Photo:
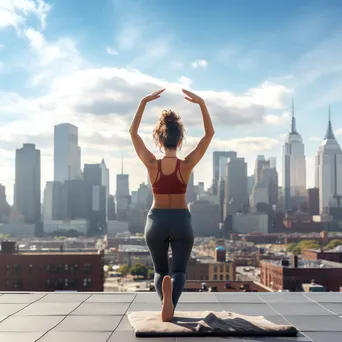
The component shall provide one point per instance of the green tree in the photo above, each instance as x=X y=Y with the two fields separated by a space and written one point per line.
x=333 y=244
x=123 y=269
x=291 y=247
x=150 y=274
x=139 y=270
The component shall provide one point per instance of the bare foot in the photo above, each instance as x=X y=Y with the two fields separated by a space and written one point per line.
x=167 y=307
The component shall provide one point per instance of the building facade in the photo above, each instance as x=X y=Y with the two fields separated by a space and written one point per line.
x=217 y=164
x=67 y=153
x=51 y=271
x=27 y=184
x=236 y=188
x=294 y=169
x=329 y=170
x=205 y=217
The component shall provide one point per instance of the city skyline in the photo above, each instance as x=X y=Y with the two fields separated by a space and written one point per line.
x=92 y=72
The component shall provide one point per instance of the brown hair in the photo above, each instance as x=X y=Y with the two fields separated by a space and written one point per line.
x=169 y=131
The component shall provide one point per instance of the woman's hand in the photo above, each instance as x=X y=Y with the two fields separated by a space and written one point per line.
x=152 y=97
x=192 y=97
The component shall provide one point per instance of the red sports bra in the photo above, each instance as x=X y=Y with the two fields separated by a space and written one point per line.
x=169 y=184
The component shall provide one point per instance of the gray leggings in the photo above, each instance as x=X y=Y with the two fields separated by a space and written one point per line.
x=166 y=227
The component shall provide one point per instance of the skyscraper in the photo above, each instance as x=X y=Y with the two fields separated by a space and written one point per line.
x=97 y=176
x=236 y=191
x=27 y=183
x=260 y=162
x=216 y=166
x=67 y=153
x=54 y=201
x=122 y=195
x=294 y=168
x=190 y=191
x=328 y=170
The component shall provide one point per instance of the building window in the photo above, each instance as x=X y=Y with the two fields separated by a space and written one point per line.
x=30 y=268
x=215 y=268
x=86 y=282
x=17 y=284
x=221 y=276
x=48 y=268
x=8 y=271
x=17 y=269
x=66 y=283
x=87 y=268
x=215 y=276
x=221 y=268
x=8 y=284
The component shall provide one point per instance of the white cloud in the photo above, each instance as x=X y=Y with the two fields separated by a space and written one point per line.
x=199 y=63
x=315 y=138
x=36 y=38
x=278 y=120
x=111 y=51
x=177 y=65
x=185 y=81
x=338 y=131
x=50 y=58
x=15 y=12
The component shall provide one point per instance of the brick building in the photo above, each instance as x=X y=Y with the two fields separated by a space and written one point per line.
x=291 y=275
x=212 y=269
x=225 y=286
x=50 y=271
x=334 y=255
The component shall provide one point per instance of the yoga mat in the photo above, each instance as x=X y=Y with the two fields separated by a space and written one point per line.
x=205 y=323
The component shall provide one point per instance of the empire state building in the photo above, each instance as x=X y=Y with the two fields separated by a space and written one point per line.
x=294 y=168
x=329 y=170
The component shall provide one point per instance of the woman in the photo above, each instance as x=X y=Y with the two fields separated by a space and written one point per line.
x=169 y=220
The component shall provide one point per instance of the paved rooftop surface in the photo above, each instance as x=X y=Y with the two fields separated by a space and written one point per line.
x=100 y=317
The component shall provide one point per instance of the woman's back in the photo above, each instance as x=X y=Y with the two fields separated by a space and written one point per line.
x=169 y=182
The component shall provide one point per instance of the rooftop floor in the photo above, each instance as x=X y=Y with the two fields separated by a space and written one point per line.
x=100 y=317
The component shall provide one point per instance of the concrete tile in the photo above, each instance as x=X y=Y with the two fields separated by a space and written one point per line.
x=124 y=325
x=199 y=307
x=29 y=323
x=299 y=338
x=9 y=309
x=249 y=309
x=101 y=309
x=48 y=309
x=209 y=339
x=88 y=323
x=65 y=297
x=147 y=298
x=302 y=309
x=334 y=307
x=197 y=297
x=129 y=336
x=135 y=306
x=112 y=298
x=230 y=297
x=281 y=297
x=325 y=297
x=315 y=323
x=324 y=336
x=24 y=298
x=20 y=336
x=58 y=336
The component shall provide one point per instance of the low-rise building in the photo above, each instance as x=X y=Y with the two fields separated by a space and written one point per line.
x=292 y=274
x=50 y=271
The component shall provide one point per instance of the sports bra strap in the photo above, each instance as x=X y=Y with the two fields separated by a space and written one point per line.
x=178 y=170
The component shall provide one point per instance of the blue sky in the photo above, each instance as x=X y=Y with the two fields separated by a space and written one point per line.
x=90 y=62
